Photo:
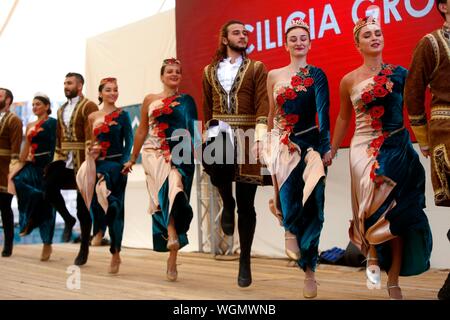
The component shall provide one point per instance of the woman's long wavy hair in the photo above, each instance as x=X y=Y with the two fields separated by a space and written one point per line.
x=221 y=52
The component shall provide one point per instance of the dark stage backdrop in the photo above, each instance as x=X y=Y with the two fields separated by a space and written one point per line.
x=198 y=22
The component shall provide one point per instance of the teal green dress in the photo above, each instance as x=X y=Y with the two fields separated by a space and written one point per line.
x=388 y=180
x=168 y=160
x=302 y=143
x=115 y=135
x=34 y=211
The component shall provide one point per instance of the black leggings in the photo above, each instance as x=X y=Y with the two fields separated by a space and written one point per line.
x=60 y=178
x=7 y=217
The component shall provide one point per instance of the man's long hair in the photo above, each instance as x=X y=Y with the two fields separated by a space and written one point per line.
x=221 y=52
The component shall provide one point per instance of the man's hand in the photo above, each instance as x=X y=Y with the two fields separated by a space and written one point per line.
x=425 y=152
x=256 y=150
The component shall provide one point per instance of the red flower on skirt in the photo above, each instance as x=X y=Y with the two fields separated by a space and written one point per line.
x=292 y=118
x=377 y=143
x=376 y=124
x=376 y=112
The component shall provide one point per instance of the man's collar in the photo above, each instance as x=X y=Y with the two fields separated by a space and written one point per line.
x=74 y=100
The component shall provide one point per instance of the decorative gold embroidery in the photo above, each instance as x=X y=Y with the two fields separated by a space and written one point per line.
x=4 y=121
x=234 y=101
x=442 y=169
x=418 y=120
x=444 y=43
x=440 y=112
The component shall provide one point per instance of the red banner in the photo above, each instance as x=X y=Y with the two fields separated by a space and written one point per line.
x=198 y=23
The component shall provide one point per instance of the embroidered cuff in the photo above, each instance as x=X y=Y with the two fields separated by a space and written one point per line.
x=421 y=133
x=260 y=131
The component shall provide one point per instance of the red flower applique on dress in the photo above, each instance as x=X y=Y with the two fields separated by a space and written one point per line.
x=159 y=128
x=108 y=121
x=380 y=88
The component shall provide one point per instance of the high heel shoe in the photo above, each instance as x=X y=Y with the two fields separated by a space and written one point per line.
x=114 y=265
x=171 y=275
x=310 y=291
x=392 y=297
x=291 y=247
x=373 y=272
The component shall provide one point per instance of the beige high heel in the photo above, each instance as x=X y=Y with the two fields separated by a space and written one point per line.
x=389 y=292
x=114 y=265
x=310 y=292
x=171 y=275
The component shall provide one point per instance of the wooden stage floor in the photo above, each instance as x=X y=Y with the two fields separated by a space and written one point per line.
x=142 y=276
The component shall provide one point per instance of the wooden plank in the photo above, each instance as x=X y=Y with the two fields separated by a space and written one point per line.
x=142 y=276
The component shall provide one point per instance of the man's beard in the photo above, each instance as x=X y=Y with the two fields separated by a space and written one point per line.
x=71 y=94
x=2 y=105
x=236 y=48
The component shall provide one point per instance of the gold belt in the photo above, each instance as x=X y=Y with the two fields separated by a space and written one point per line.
x=440 y=112
x=5 y=152
x=73 y=145
x=236 y=120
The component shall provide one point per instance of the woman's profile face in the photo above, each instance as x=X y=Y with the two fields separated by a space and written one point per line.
x=40 y=108
x=297 y=42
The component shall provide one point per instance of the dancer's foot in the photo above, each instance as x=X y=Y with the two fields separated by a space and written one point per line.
x=67 y=234
x=310 y=288
x=245 y=273
x=394 y=291
x=82 y=256
x=115 y=263
x=97 y=239
x=46 y=252
x=172 y=272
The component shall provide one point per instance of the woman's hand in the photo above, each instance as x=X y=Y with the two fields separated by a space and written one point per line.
x=94 y=151
x=127 y=167
x=327 y=159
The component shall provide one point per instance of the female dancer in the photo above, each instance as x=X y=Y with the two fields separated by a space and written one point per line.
x=168 y=118
x=295 y=149
x=103 y=169
x=388 y=181
x=36 y=153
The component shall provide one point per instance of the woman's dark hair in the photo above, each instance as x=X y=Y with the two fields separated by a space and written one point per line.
x=45 y=101
x=437 y=6
x=100 y=88
x=221 y=52
x=296 y=27
x=103 y=82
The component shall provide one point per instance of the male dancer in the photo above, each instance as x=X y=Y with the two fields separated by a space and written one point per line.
x=73 y=136
x=10 y=141
x=234 y=91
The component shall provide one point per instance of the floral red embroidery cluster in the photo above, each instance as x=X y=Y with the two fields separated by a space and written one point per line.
x=300 y=82
x=33 y=133
x=380 y=88
x=105 y=128
x=159 y=128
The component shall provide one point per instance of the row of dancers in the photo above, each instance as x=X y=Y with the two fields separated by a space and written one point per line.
x=92 y=150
